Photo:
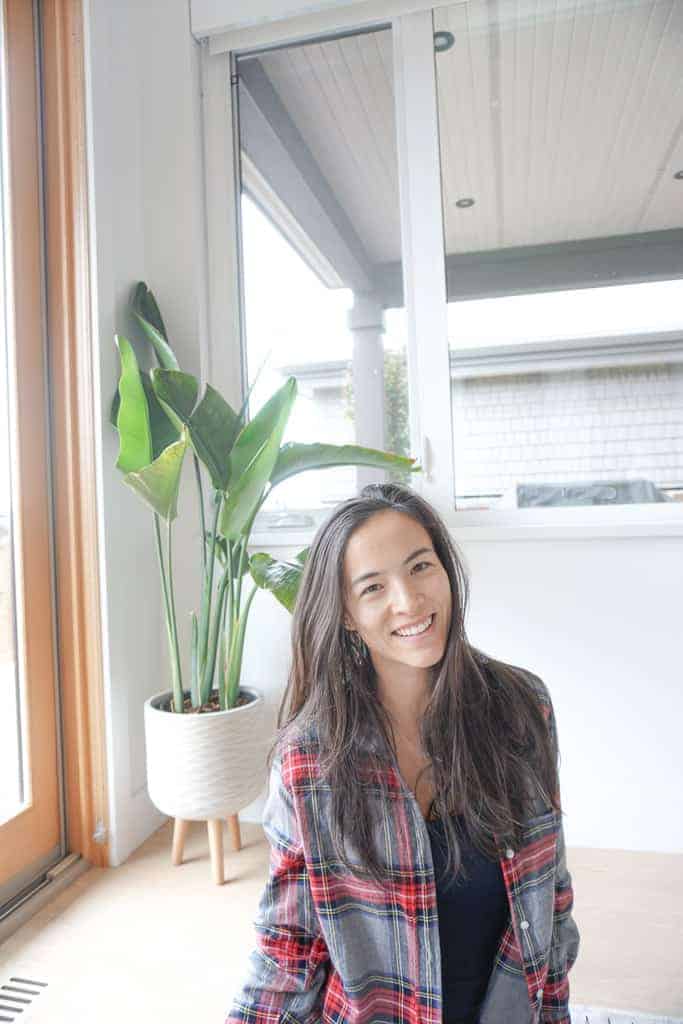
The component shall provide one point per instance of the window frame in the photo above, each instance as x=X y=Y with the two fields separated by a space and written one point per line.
x=423 y=258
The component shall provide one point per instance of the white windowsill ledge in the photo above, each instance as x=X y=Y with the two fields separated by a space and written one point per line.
x=534 y=524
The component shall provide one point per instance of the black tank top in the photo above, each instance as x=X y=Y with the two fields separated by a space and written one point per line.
x=473 y=913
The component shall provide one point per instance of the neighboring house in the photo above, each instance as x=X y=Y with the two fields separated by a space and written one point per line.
x=518 y=421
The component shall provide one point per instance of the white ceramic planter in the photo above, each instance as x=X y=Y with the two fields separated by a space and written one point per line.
x=205 y=766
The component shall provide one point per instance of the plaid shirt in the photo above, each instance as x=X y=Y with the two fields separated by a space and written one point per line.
x=336 y=949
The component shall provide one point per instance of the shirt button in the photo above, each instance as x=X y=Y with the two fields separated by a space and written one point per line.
x=509 y=853
x=524 y=925
x=539 y=995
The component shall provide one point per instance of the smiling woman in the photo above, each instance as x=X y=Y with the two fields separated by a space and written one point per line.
x=401 y=610
x=418 y=868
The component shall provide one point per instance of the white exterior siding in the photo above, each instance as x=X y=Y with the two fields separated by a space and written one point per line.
x=622 y=422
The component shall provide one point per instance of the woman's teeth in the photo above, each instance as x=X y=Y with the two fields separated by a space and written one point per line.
x=420 y=627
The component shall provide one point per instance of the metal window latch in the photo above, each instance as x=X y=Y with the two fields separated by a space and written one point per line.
x=426 y=460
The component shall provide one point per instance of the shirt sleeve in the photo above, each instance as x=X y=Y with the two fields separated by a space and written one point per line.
x=565 y=939
x=289 y=966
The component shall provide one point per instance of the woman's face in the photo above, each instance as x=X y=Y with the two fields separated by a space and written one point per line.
x=397 y=592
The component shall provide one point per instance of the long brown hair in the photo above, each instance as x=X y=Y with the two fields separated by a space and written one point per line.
x=483 y=729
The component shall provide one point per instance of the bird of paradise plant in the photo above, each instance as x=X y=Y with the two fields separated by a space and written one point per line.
x=160 y=418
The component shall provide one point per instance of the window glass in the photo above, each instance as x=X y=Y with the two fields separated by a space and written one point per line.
x=12 y=713
x=562 y=190
x=321 y=254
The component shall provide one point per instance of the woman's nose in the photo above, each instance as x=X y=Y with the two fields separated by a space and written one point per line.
x=405 y=596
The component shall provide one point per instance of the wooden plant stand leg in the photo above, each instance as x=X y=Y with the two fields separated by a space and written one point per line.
x=180 y=827
x=234 y=826
x=215 y=826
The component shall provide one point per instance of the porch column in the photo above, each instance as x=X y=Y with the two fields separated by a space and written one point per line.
x=366 y=323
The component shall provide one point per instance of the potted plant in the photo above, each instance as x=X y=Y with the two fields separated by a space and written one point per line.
x=206 y=737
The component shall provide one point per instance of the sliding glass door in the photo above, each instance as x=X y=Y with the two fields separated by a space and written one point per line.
x=31 y=832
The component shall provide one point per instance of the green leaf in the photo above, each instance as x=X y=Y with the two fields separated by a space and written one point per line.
x=281 y=578
x=114 y=409
x=144 y=303
x=255 y=434
x=163 y=350
x=177 y=392
x=253 y=458
x=162 y=429
x=146 y=312
x=212 y=425
x=298 y=458
x=158 y=482
x=135 y=437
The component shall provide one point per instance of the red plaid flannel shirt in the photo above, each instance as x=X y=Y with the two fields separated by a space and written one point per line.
x=336 y=949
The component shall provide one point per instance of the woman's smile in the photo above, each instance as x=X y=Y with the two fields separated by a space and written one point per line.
x=417 y=631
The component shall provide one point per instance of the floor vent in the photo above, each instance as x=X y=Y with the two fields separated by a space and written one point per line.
x=18 y=995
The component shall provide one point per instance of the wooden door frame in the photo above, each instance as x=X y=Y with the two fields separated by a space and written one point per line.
x=76 y=420
x=32 y=836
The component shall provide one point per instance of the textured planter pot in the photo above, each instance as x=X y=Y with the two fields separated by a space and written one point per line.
x=206 y=766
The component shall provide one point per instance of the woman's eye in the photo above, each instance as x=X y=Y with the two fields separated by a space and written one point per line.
x=370 y=589
x=419 y=566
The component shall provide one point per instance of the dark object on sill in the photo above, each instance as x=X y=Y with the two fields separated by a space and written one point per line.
x=604 y=492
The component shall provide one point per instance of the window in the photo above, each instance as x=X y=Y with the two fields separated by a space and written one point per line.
x=321 y=254
x=496 y=191
x=562 y=204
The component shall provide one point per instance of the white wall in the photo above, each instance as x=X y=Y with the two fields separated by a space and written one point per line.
x=146 y=219
x=211 y=16
x=599 y=621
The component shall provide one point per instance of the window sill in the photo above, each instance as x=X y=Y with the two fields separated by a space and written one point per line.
x=571 y=523
x=603 y=522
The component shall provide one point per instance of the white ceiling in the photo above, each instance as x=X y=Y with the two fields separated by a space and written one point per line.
x=561 y=124
x=340 y=95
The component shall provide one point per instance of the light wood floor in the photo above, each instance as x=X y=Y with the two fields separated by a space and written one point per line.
x=147 y=942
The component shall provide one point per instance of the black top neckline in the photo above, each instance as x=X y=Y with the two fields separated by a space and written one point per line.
x=433 y=816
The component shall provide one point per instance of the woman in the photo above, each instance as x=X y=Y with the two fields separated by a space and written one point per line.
x=418 y=868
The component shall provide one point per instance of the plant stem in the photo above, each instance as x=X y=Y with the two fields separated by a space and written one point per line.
x=171 y=590
x=236 y=651
x=244 y=542
x=224 y=647
x=240 y=573
x=194 y=668
x=226 y=634
x=231 y=591
x=207 y=596
x=170 y=623
x=215 y=633
x=200 y=491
